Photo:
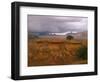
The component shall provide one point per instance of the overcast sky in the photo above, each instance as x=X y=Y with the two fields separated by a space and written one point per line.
x=40 y=23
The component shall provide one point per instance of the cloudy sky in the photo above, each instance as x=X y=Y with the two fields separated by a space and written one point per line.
x=42 y=23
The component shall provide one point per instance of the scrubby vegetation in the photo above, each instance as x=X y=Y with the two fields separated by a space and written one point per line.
x=45 y=51
x=69 y=37
x=82 y=52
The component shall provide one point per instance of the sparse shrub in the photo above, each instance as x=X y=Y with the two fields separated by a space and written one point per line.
x=82 y=52
x=69 y=37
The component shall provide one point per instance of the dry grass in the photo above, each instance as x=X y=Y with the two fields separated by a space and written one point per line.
x=46 y=51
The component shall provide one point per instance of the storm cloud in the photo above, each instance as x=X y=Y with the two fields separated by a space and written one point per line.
x=42 y=23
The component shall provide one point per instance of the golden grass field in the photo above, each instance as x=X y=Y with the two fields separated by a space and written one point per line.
x=44 y=51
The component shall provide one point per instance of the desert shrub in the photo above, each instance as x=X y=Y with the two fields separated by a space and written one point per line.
x=69 y=37
x=82 y=52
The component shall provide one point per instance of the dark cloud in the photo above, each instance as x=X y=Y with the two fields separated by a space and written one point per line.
x=39 y=23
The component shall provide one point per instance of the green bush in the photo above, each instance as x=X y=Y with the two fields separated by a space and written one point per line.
x=69 y=37
x=82 y=52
